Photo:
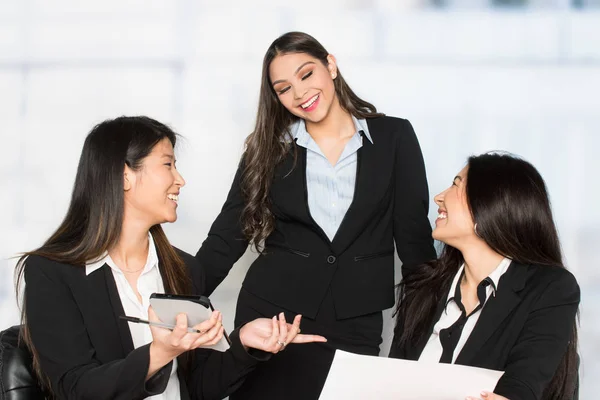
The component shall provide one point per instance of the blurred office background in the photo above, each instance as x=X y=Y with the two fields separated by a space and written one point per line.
x=471 y=75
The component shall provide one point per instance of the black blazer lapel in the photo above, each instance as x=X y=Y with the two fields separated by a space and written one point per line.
x=373 y=179
x=117 y=309
x=496 y=310
x=441 y=306
x=302 y=153
x=107 y=330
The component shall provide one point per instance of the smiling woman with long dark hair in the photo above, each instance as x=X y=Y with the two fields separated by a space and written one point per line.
x=499 y=296
x=324 y=189
x=104 y=260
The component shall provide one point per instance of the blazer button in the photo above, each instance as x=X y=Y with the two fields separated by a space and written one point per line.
x=331 y=259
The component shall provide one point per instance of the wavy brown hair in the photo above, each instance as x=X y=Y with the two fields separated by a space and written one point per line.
x=267 y=146
x=509 y=201
x=92 y=225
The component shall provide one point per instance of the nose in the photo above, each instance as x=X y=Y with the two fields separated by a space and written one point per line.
x=439 y=198
x=299 y=92
x=179 y=181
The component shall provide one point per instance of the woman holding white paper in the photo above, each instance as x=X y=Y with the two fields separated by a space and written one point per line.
x=104 y=260
x=499 y=296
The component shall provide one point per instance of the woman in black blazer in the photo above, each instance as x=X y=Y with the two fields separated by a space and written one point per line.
x=324 y=189
x=499 y=296
x=105 y=259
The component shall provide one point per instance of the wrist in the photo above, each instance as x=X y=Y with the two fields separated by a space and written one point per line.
x=243 y=331
x=159 y=357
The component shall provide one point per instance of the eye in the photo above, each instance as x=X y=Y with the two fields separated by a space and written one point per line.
x=306 y=76
x=169 y=164
x=285 y=89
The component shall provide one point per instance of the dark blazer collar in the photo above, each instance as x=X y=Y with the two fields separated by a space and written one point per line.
x=103 y=293
x=496 y=310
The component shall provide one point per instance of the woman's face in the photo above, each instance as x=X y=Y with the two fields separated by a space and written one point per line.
x=304 y=85
x=454 y=224
x=152 y=192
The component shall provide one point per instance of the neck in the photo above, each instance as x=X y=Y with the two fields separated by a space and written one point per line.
x=337 y=124
x=480 y=262
x=133 y=244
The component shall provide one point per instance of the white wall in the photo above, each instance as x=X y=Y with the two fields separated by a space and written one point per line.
x=469 y=78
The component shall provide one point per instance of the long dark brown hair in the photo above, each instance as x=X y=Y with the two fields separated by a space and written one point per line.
x=267 y=146
x=92 y=225
x=509 y=201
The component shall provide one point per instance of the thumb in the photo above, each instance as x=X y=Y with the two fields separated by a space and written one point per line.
x=152 y=315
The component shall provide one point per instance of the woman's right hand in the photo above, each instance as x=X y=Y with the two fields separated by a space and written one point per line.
x=167 y=345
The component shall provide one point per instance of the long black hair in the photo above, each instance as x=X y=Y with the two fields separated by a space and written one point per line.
x=508 y=199
x=92 y=225
x=266 y=147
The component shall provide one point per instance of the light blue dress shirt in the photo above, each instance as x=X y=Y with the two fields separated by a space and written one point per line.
x=330 y=187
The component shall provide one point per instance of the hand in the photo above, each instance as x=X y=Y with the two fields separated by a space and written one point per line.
x=273 y=335
x=485 y=395
x=173 y=343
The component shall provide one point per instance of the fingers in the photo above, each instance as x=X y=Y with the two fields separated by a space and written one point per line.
x=180 y=330
x=283 y=332
x=485 y=395
x=294 y=335
x=210 y=323
x=309 y=339
x=293 y=329
x=212 y=336
x=152 y=315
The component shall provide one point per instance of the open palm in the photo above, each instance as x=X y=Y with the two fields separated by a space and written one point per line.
x=274 y=334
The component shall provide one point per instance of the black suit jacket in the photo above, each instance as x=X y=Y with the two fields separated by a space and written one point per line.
x=390 y=204
x=524 y=330
x=87 y=351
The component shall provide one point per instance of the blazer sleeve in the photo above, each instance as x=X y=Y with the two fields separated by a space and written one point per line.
x=541 y=345
x=66 y=355
x=412 y=230
x=218 y=374
x=225 y=243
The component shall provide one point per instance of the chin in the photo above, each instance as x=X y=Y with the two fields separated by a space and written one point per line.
x=437 y=236
x=171 y=218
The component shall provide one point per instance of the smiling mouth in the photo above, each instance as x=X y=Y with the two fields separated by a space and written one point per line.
x=309 y=102
x=173 y=197
x=442 y=215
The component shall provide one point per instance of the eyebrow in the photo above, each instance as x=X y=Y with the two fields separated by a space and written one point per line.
x=295 y=72
x=171 y=156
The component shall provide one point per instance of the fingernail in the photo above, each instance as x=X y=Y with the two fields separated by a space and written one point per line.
x=484 y=394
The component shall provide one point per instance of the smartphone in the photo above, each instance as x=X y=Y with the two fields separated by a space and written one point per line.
x=197 y=308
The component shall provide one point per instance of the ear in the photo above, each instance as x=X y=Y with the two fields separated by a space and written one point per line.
x=128 y=178
x=332 y=66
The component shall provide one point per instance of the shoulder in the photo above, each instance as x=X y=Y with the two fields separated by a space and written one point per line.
x=388 y=124
x=43 y=269
x=195 y=271
x=553 y=283
x=44 y=265
x=394 y=131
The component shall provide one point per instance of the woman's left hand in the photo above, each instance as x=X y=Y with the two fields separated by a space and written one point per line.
x=485 y=395
x=272 y=335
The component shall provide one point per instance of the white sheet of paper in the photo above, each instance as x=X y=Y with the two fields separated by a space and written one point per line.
x=357 y=377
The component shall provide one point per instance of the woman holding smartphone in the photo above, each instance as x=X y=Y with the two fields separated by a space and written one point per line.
x=325 y=188
x=103 y=262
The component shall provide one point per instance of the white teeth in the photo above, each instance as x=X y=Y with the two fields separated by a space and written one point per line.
x=173 y=197
x=310 y=102
x=442 y=216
